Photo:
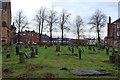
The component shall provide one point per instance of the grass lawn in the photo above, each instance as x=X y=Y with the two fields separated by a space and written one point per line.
x=47 y=63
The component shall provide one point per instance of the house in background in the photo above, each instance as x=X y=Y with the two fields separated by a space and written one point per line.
x=31 y=36
x=113 y=34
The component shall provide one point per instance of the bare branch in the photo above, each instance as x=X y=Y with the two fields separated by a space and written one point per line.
x=98 y=21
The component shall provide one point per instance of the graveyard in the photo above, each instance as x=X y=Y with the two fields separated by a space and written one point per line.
x=58 y=62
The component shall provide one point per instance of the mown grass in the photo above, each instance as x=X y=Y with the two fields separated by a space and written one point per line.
x=52 y=63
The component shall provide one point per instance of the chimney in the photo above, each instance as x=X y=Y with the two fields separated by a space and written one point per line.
x=109 y=20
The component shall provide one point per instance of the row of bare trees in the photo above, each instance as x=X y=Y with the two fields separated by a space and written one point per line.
x=45 y=17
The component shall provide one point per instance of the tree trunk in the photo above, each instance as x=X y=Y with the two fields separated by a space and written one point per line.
x=98 y=38
x=41 y=31
x=78 y=35
x=50 y=36
x=62 y=36
x=39 y=34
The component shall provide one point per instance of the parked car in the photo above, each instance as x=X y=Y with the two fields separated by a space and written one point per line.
x=34 y=43
x=20 y=42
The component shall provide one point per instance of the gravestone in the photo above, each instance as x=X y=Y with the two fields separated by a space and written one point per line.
x=117 y=59
x=21 y=57
x=82 y=50
x=32 y=52
x=103 y=48
x=26 y=55
x=112 y=59
x=69 y=48
x=113 y=51
x=89 y=47
x=107 y=50
x=45 y=47
x=77 y=46
x=93 y=48
x=5 y=48
x=8 y=56
x=57 y=48
x=17 y=50
x=36 y=51
x=79 y=53
x=72 y=50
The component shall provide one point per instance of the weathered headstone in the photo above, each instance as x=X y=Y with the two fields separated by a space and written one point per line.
x=21 y=57
x=117 y=59
x=89 y=47
x=45 y=47
x=107 y=50
x=32 y=52
x=17 y=50
x=79 y=53
x=36 y=51
x=69 y=48
x=72 y=50
x=8 y=56
x=57 y=48
x=112 y=59
x=77 y=46
x=93 y=48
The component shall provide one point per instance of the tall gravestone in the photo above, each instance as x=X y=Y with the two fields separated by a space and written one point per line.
x=69 y=48
x=36 y=51
x=17 y=50
x=79 y=53
x=32 y=52
x=107 y=50
x=72 y=50
x=93 y=48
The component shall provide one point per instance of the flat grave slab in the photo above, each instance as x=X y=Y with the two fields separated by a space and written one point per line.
x=89 y=72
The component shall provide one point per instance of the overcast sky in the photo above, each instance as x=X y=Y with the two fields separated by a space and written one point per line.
x=83 y=8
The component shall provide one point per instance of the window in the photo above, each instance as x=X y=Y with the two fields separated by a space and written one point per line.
x=118 y=33
x=118 y=25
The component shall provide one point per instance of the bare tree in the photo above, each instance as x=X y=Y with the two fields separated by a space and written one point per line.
x=79 y=24
x=51 y=20
x=64 y=19
x=40 y=19
x=98 y=21
x=21 y=23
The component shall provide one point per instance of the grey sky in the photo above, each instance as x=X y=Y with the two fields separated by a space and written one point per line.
x=75 y=7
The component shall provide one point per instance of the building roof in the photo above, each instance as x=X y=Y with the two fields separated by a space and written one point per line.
x=118 y=20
